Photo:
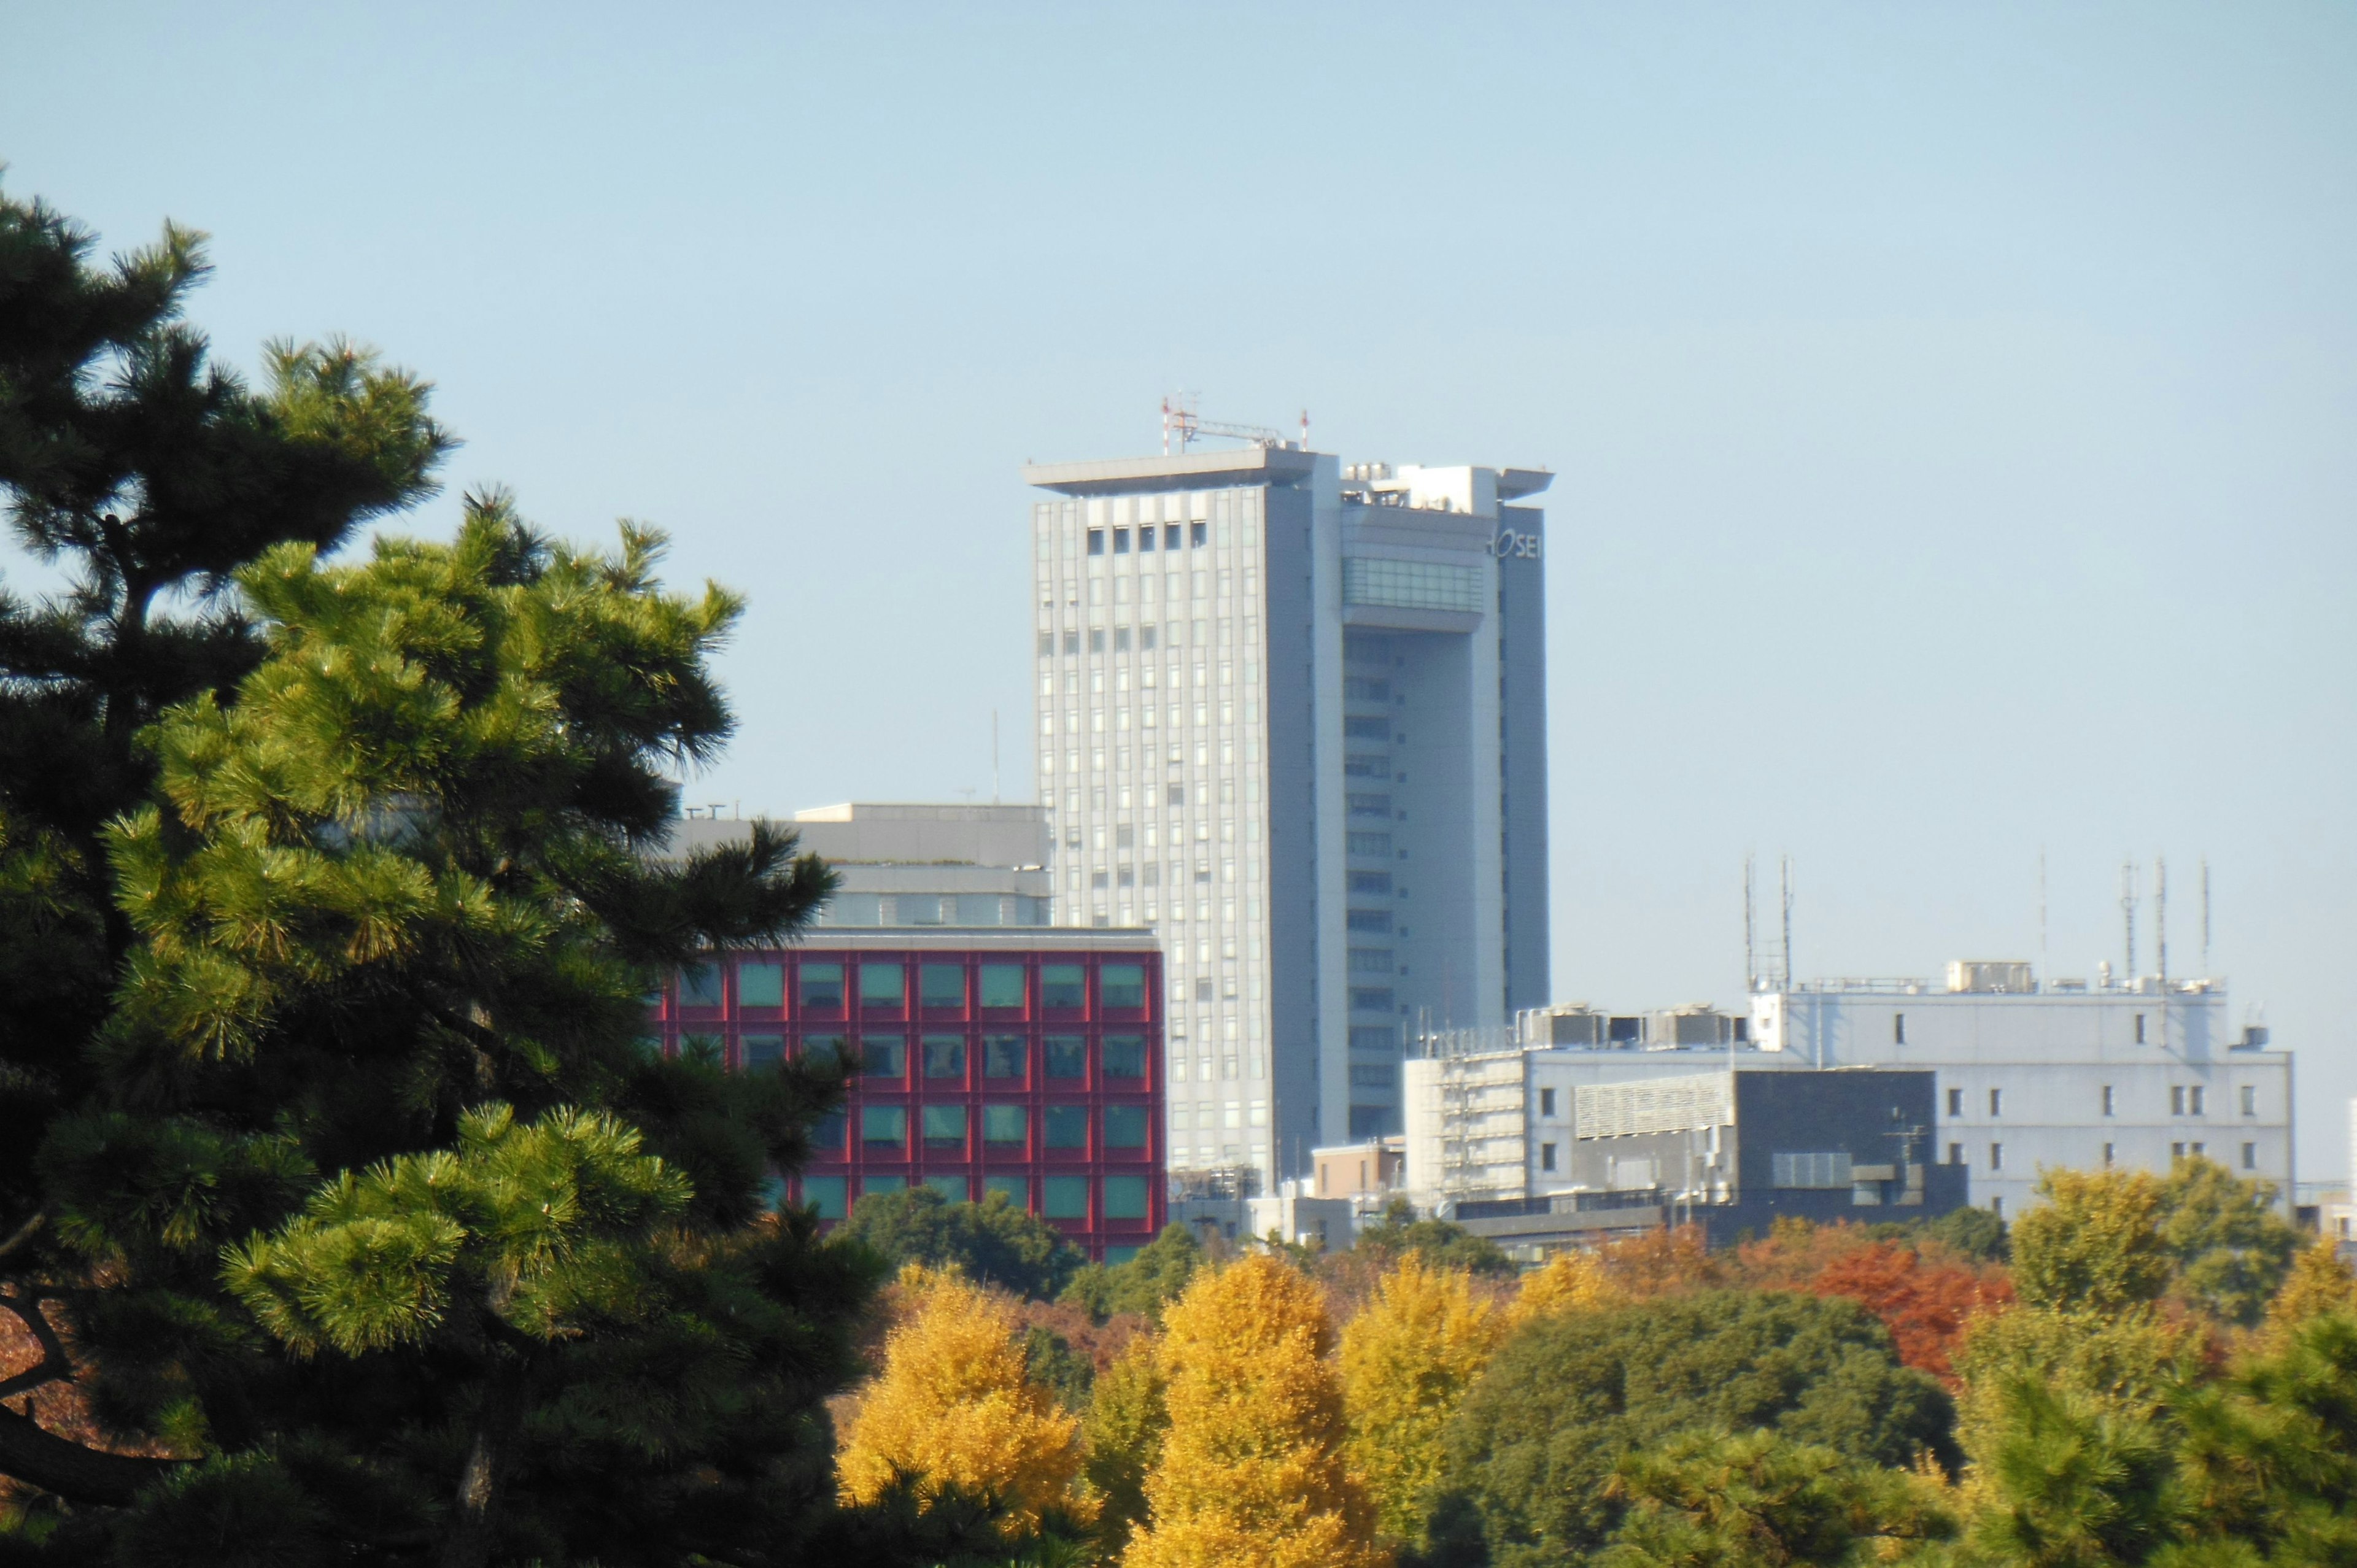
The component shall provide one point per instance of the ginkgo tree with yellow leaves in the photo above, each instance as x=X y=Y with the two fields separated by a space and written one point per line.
x=1407 y=1361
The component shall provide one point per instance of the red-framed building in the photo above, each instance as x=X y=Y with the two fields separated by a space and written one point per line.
x=1026 y=1061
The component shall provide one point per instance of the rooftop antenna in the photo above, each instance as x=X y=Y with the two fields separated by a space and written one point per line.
x=1751 y=924
x=1305 y=430
x=994 y=756
x=2127 y=914
x=2205 y=916
x=1784 y=879
x=2160 y=918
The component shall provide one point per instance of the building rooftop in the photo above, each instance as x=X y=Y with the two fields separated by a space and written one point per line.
x=1183 y=471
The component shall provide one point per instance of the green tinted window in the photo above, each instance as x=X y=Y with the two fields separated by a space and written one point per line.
x=826 y=1134
x=873 y=1184
x=1013 y=1188
x=1068 y=1056
x=1002 y=1057
x=760 y=986
x=1063 y=985
x=883 y=1056
x=761 y=1053
x=1067 y=1198
x=822 y=984
x=952 y=1187
x=1006 y=1125
x=1125 y=1126
x=699 y=985
x=1124 y=1198
x=944 y=1057
x=944 y=1126
x=1121 y=985
x=830 y=1194
x=881 y=985
x=884 y=1123
x=1124 y=1056
x=1068 y=1126
x=1002 y=985
x=1118 y=1254
x=941 y=984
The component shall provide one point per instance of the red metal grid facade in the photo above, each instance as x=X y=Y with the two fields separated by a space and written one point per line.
x=1036 y=1072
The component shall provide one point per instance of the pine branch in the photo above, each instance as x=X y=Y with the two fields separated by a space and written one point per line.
x=55 y=1365
x=93 y=1476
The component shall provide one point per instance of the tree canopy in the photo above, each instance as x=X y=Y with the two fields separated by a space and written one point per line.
x=991 y=1242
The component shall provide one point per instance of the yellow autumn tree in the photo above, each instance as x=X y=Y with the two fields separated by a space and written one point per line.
x=1252 y=1471
x=1574 y=1281
x=2318 y=1282
x=1407 y=1361
x=951 y=1406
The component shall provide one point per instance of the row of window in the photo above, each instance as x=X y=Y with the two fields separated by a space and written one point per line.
x=1169 y=634
x=1005 y=1129
x=2184 y=1099
x=882 y=985
x=2249 y=1158
x=1005 y=1060
x=1058 y=1196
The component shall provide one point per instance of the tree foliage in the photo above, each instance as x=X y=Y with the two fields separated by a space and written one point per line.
x=1438 y=1243
x=2092 y=1243
x=1534 y=1446
x=1407 y=1359
x=991 y=1242
x=2230 y=1247
x=1146 y=1284
x=954 y=1406
x=1923 y=1292
x=337 y=1181
x=1128 y=1414
x=1574 y=1280
x=1706 y=1499
x=1252 y=1471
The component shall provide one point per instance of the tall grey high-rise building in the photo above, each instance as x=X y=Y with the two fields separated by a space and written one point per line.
x=1293 y=716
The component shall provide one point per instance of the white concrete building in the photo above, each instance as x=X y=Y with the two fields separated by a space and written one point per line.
x=1293 y=717
x=2136 y=1074
x=2025 y=1078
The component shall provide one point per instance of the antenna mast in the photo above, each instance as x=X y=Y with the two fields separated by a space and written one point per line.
x=2160 y=918
x=1784 y=881
x=2127 y=914
x=2205 y=916
x=994 y=756
x=1751 y=924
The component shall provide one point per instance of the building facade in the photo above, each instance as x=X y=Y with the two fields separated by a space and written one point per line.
x=913 y=864
x=1293 y=718
x=1022 y=1062
x=2137 y=1073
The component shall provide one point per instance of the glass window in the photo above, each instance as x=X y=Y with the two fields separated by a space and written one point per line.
x=883 y=1056
x=1013 y=1188
x=829 y=1195
x=1125 y=1126
x=941 y=984
x=699 y=1047
x=944 y=1057
x=1002 y=985
x=699 y=985
x=826 y=1049
x=1068 y=1056
x=1062 y=986
x=826 y=1134
x=883 y=1124
x=882 y=986
x=1124 y=1198
x=875 y=1183
x=1002 y=1057
x=1068 y=1126
x=945 y=1126
x=1119 y=1254
x=1121 y=985
x=1007 y=1124
x=760 y=986
x=1067 y=1198
x=762 y=1051
x=953 y=1189
x=1411 y=585
x=1096 y=540
x=1124 y=1056
x=822 y=984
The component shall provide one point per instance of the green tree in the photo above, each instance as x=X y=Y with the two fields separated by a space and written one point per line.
x=1437 y=1243
x=352 y=887
x=2092 y=1243
x=2072 y=1482
x=1538 y=1436
x=1127 y=1415
x=991 y=1242
x=1706 y=1499
x=1146 y=1284
x=2232 y=1250
x=1975 y=1232
x=2125 y=1363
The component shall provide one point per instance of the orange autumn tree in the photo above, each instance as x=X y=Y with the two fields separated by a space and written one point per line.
x=953 y=1407
x=1925 y=1295
x=1252 y=1471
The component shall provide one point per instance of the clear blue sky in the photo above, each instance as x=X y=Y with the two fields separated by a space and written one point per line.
x=1955 y=406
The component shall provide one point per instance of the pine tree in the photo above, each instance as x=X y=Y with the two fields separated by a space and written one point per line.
x=1407 y=1359
x=953 y=1408
x=1251 y=1472
x=328 y=877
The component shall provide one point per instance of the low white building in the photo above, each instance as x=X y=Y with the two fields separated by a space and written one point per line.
x=1566 y=1102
